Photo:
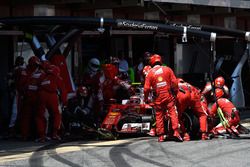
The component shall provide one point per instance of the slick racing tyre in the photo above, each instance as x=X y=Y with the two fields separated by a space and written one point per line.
x=191 y=123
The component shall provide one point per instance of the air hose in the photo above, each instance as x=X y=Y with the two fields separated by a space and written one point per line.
x=223 y=120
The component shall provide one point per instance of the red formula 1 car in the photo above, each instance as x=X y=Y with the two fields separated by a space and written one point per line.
x=129 y=117
x=135 y=117
x=132 y=116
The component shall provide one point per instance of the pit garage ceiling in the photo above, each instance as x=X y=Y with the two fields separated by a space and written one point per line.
x=244 y=4
x=218 y=3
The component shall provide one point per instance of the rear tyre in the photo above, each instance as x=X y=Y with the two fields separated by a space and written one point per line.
x=191 y=123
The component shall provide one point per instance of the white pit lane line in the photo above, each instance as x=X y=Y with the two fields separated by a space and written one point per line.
x=66 y=149
x=246 y=124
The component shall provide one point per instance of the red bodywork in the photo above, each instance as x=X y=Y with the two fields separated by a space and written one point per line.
x=132 y=114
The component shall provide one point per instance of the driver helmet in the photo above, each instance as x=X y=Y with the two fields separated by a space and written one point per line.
x=94 y=64
x=134 y=100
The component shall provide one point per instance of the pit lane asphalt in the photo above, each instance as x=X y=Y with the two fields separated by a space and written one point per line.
x=142 y=151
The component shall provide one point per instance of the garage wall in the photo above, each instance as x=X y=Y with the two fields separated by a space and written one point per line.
x=192 y=63
x=192 y=58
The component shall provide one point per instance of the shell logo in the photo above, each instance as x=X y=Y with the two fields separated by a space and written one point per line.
x=160 y=79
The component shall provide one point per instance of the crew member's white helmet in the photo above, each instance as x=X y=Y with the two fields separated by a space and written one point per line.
x=94 y=64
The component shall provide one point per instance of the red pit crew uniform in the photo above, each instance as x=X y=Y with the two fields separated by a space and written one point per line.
x=92 y=82
x=110 y=82
x=230 y=113
x=30 y=101
x=162 y=79
x=49 y=99
x=109 y=87
x=145 y=71
x=183 y=101
x=199 y=110
x=60 y=61
x=208 y=93
x=189 y=96
x=183 y=97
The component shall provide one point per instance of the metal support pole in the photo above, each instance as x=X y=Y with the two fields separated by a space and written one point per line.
x=212 y=61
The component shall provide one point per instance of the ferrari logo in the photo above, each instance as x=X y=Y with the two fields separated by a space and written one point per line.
x=159 y=79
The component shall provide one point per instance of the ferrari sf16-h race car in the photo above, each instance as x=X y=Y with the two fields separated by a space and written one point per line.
x=133 y=116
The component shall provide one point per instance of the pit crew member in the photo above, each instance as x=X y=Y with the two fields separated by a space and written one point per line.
x=162 y=79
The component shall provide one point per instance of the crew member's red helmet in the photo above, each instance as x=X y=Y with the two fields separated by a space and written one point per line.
x=45 y=64
x=219 y=82
x=146 y=69
x=54 y=70
x=110 y=70
x=34 y=61
x=82 y=91
x=219 y=93
x=155 y=58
